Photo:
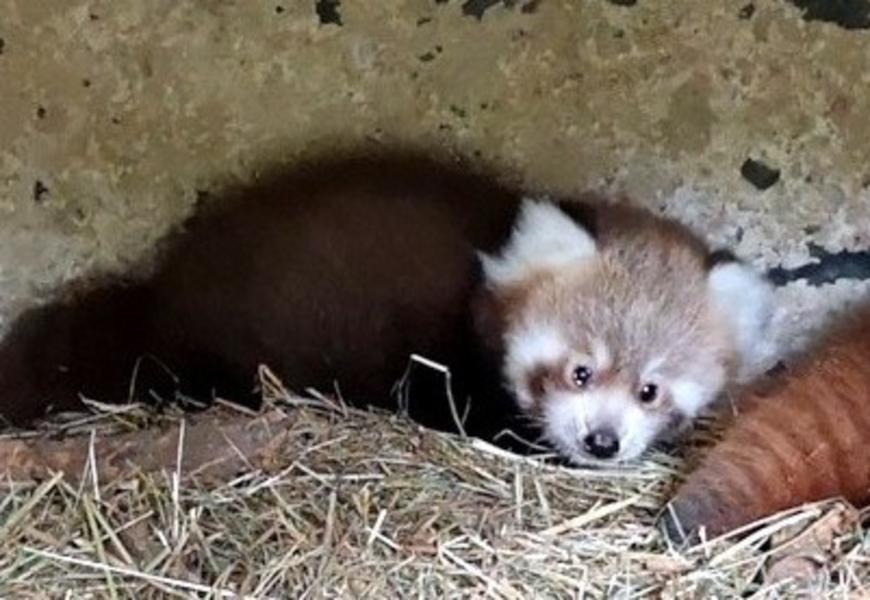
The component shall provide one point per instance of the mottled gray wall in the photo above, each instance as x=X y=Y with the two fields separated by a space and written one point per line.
x=114 y=113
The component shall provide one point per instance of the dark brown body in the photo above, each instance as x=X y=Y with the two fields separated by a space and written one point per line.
x=333 y=272
x=805 y=438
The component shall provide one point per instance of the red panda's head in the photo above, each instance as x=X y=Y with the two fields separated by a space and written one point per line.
x=609 y=342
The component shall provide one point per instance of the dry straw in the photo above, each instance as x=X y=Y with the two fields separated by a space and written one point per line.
x=361 y=504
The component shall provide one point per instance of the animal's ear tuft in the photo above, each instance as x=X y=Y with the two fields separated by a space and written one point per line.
x=544 y=237
x=745 y=298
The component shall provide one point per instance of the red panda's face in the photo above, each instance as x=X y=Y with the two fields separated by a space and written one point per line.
x=607 y=347
x=595 y=401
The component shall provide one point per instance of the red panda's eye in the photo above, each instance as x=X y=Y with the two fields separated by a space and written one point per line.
x=648 y=393
x=581 y=375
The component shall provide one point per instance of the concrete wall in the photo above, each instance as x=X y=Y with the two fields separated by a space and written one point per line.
x=115 y=115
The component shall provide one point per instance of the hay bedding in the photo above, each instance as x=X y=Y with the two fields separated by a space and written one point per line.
x=329 y=501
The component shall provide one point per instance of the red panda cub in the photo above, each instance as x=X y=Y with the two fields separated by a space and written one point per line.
x=601 y=324
x=612 y=341
x=804 y=437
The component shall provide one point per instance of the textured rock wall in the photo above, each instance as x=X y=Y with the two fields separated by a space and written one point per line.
x=116 y=115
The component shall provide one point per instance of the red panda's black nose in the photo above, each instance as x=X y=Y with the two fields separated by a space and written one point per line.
x=601 y=444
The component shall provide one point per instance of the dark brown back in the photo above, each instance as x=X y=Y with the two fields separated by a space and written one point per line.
x=334 y=271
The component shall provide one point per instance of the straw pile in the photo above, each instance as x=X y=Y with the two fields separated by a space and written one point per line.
x=352 y=503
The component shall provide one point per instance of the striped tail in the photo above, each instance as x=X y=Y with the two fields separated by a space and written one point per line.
x=804 y=440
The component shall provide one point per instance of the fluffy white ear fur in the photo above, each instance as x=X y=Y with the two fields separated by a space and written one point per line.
x=544 y=237
x=745 y=299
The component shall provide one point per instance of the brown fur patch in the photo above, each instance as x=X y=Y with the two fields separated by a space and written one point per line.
x=806 y=438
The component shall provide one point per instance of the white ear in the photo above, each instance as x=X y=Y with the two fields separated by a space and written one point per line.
x=745 y=299
x=544 y=237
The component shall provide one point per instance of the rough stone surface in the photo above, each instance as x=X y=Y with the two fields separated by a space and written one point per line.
x=115 y=116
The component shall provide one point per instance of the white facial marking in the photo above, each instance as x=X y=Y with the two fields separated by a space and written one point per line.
x=745 y=299
x=690 y=396
x=570 y=417
x=565 y=424
x=544 y=237
x=527 y=349
x=640 y=429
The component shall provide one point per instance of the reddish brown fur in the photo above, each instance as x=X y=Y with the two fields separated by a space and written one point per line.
x=334 y=272
x=331 y=272
x=806 y=438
